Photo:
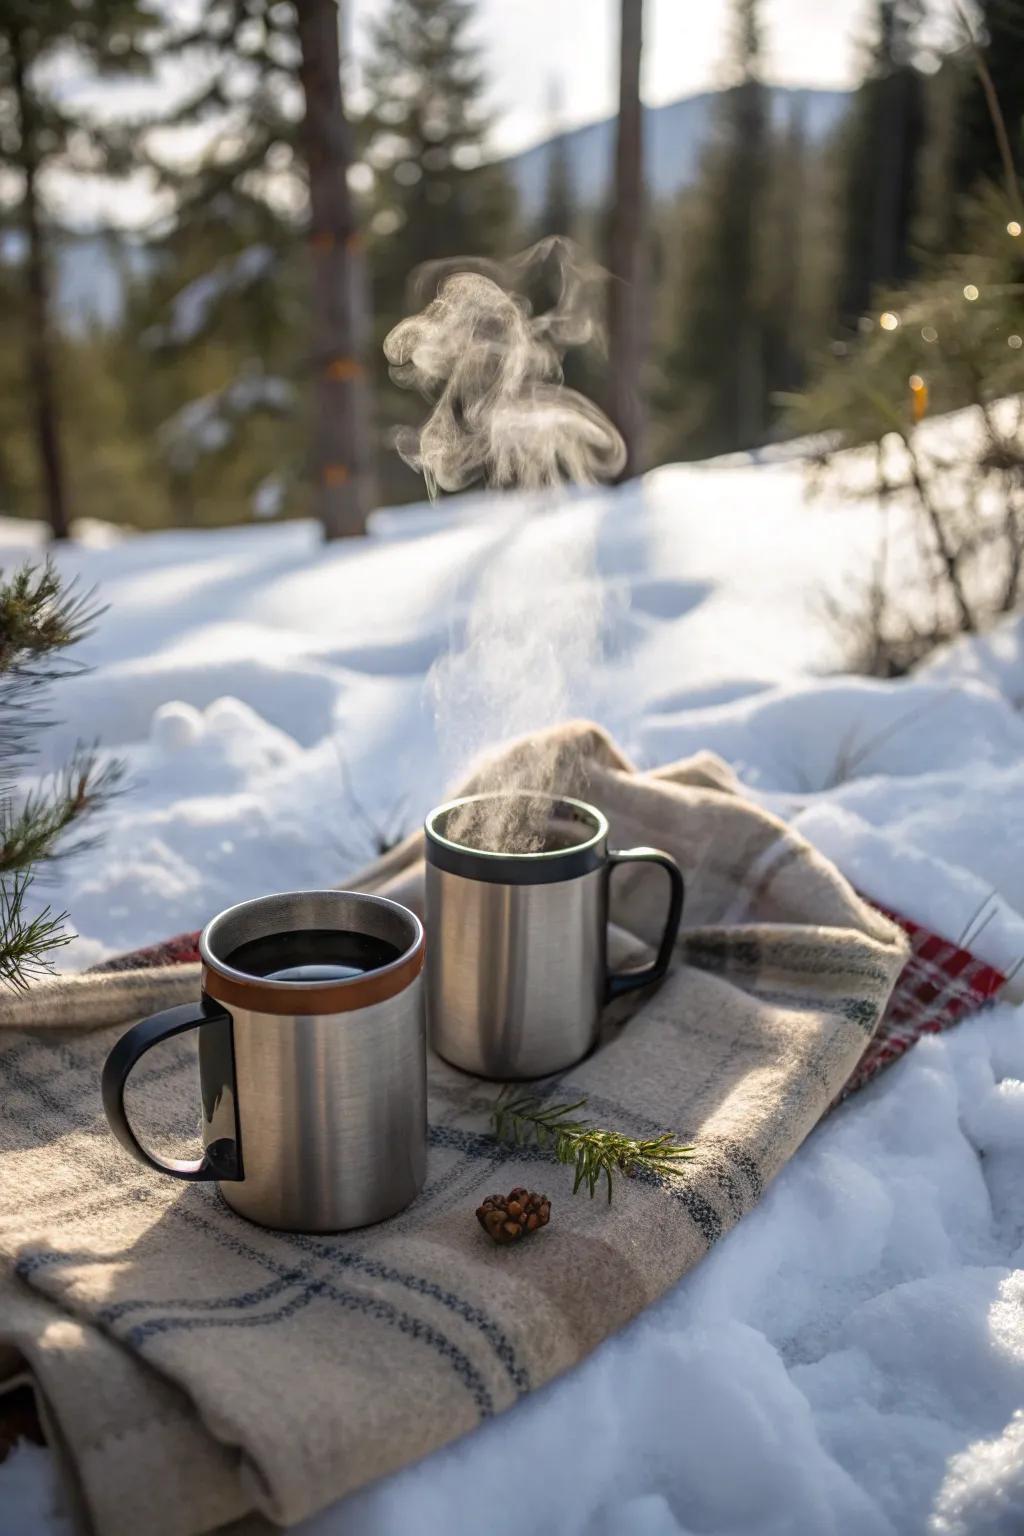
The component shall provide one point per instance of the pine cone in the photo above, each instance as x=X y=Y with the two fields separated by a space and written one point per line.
x=514 y=1216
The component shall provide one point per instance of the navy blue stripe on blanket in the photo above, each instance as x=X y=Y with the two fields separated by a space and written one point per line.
x=499 y=1341
x=28 y=1264
x=312 y=1290
x=324 y=1252
x=352 y=1301
x=476 y=1316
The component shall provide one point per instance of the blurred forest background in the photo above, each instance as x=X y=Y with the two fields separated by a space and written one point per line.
x=225 y=364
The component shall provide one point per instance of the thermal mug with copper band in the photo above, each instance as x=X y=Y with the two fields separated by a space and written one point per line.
x=313 y=1076
x=517 y=968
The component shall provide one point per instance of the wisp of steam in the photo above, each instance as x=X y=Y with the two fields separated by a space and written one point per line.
x=493 y=372
x=491 y=367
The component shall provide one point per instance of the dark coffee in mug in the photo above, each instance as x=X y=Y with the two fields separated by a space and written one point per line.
x=313 y=954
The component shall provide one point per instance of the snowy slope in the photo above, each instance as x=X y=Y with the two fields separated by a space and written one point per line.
x=253 y=679
x=851 y=1358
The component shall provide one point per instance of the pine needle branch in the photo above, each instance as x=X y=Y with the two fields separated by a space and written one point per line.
x=522 y=1118
x=39 y=619
x=31 y=831
x=40 y=616
x=26 y=946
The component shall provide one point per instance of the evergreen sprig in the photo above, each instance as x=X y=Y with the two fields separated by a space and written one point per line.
x=32 y=830
x=521 y=1118
x=26 y=943
x=40 y=618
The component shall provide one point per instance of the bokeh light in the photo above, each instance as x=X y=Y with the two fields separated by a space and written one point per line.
x=970 y=292
x=888 y=321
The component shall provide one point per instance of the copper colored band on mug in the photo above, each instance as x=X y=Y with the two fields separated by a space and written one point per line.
x=259 y=996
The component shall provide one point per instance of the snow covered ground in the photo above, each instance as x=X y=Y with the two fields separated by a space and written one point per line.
x=851 y=1358
x=264 y=689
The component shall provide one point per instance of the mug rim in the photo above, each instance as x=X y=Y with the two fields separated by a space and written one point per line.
x=542 y=867
x=262 y=994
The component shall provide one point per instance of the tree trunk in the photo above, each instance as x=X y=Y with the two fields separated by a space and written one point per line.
x=628 y=248
x=39 y=360
x=888 y=226
x=342 y=446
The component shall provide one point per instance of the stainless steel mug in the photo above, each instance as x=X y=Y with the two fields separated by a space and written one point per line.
x=313 y=1091
x=517 y=968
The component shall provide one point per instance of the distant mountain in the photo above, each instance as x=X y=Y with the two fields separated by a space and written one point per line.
x=91 y=270
x=675 y=134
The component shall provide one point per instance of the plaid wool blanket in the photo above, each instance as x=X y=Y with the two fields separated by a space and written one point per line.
x=193 y=1368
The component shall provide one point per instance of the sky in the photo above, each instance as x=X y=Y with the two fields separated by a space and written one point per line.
x=532 y=45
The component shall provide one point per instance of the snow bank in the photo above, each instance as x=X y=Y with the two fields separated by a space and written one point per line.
x=700 y=589
x=914 y=788
x=849 y=1361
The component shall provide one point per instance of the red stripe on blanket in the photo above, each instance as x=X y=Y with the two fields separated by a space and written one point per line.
x=938 y=986
x=177 y=951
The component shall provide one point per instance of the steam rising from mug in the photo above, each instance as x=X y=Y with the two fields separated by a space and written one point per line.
x=492 y=367
x=493 y=370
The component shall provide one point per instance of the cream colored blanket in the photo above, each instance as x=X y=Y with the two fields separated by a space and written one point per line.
x=194 y=1368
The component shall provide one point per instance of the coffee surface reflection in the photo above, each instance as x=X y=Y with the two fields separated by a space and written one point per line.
x=313 y=954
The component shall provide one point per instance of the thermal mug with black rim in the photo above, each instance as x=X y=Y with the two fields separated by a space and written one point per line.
x=517 y=967
x=312 y=1061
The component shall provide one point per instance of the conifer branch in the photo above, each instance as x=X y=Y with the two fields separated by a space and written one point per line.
x=522 y=1118
x=26 y=945
x=40 y=617
x=30 y=831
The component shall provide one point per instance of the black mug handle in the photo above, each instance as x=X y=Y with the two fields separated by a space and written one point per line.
x=625 y=981
x=222 y=1158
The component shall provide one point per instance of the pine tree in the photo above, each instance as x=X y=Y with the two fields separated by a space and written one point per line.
x=40 y=619
x=267 y=95
x=117 y=474
x=434 y=195
x=951 y=340
x=425 y=139
x=882 y=148
x=779 y=283
x=40 y=133
x=628 y=316
x=999 y=40
x=935 y=225
x=714 y=395
x=342 y=453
